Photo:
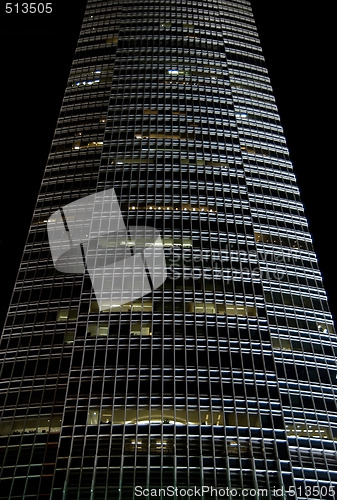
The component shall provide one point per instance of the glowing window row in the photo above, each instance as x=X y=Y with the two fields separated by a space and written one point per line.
x=184 y=207
x=149 y=306
x=169 y=415
x=279 y=240
x=19 y=425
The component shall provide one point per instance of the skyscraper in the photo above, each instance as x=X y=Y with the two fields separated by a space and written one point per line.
x=221 y=378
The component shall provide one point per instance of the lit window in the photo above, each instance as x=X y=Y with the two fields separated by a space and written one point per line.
x=150 y=111
x=324 y=328
x=67 y=315
x=309 y=430
x=112 y=40
x=151 y=415
x=141 y=329
x=69 y=337
x=136 y=306
x=214 y=308
x=20 y=425
x=92 y=144
x=98 y=330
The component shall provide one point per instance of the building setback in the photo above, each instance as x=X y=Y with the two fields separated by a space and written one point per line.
x=221 y=376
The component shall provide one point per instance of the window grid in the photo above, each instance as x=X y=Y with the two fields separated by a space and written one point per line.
x=223 y=376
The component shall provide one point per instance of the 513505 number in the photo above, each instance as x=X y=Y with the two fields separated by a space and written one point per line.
x=29 y=8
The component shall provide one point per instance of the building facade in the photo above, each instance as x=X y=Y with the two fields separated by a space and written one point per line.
x=223 y=378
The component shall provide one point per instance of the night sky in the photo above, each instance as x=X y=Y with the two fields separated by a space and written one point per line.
x=36 y=54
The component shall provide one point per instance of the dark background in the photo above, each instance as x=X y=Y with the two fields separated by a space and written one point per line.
x=36 y=54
